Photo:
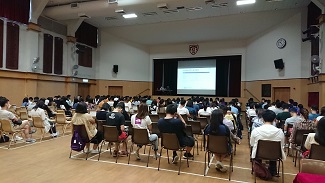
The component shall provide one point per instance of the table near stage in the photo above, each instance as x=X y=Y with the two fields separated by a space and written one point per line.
x=309 y=178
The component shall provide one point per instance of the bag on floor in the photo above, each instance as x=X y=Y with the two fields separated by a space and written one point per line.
x=4 y=138
x=261 y=171
x=77 y=144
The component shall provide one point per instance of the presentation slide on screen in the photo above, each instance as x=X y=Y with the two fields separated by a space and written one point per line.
x=196 y=77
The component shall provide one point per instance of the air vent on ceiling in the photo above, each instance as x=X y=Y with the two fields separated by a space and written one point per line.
x=112 y=1
x=162 y=6
x=194 y=8
x=74 y=5
x=209 y=1
x=121 y=11
x=171 y=11
x=273 y=0
x=219 y=5
x=83 y=15
x=150 y=14
x=110 y=18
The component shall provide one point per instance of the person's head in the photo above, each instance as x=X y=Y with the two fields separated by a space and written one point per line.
x=216 y=118
x=213 y=105
x=205 y=105
x=320 y=132
x=68 y=96
x=39 y=104
x=25 y=100
x=295 y=104
x=231 y=103
x=183 y=102
x=268 y=116
x=300 y=106
x=291 y=101
x=285 y=107
x=304 y=113
x=293 y=111
x=263 y=100
x=31 y=99
x=81 y=108
x=36 y=99
x=259 y=112
x=322 y=111
x=189 y=103
x=171 y=109
x=154 y=103
x=119 y=107
x=142 y=111
x=4 y=103
x=251 y=105
x=314 y=109
x=278 y=105
x=105 y=107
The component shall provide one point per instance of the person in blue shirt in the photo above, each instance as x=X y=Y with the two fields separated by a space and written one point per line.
x=25 y=102
x=233 y=109
x=191 y=108
x=314 y=113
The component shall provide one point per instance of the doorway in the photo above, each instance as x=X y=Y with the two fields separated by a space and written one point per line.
x=83 y=89
x=281 y=93
x=115 y=90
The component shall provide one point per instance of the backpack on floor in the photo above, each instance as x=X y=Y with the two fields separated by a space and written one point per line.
x=4 y=138
x=77 y=144
x=261 y=171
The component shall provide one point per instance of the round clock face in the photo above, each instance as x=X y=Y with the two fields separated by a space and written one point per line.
x=281 y=43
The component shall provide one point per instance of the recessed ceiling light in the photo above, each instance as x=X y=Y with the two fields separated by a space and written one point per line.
x=131 y=15
x=194 y=8
x=244 y=2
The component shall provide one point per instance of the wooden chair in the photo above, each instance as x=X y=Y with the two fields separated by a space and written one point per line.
x=81 y=129
x=271 y=151
x=196 y=130
x=100 y=125
x=9 y=129
x=129 y=125
x=317 y=152
x=154 y=117
x=313 y=166
x=287 y=136
x=110 y=136
x=203 y=121
x=140 y=137
x=60 y=111
x=61 y=121
x=23 y=115
x=155 y=129
x=299 y=142
x=38 y=123
x=218 y=145
x=189 y=132
x=184 y=116
x=161 y=115
x=170 y=142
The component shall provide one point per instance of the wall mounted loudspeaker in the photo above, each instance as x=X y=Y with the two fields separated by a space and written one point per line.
x=279 y=64
x=115 y=68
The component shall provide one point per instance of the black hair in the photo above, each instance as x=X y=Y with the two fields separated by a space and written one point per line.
x=3 y=101
x=154 y=103
x=39 y=104
x=322 y=111
x=205 y=105
x=189 y=103
x=120 y=106
x=25 y=99
x=183 y=102
x=285 y=106
x=320 y=132
x=300 y=106
x=291 y=101
x=36 y=99
x=295 y=103
x=81 y=108
x=314 y=108
x=278 y=104
x=216 y=120
x=304 y=112
x=30 y=98
x=105 y=106
x=268 y=116
x=75 y=100
x=171 y=109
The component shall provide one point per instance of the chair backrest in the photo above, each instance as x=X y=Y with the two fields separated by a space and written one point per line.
x=203 y=121
x=188 y=130
x=184 y=116
x=170 y=141
x=313 y=166
x=299 y=135
x=81 y=129
x=161 y=110
x=302 y=145
x=60 y=111
x=38 y=122
x=196 y=126
x=110 y=133
x=317 y=152
x=128 y=123
x=23 y=115
x=60 y=118
x=140 y=136
x=161 y=115
x=218 y=144
x=6 y=126
x=155 y=129
x=100 y=125
x=154 y=117
x=268 y=150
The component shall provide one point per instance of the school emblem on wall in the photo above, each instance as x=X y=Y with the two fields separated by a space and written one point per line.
x=193 y=48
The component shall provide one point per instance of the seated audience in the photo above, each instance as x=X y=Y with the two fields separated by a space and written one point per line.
x=267 y=132
x=191 y=108
x=16 y=123
x=81 y=117
x=294 y=117
x=142 y=120
x=75 y=103
x=101 y=115
x=251 y=112
x=205 y=111
x=283 y=116
x=317 y=138
x=214 y=106
x=258 y=120
x=25 y=102
x=182 y=110
x=322 y=114
x=216 y=127
x=277 y=108
x=313 y=113
x=116 y=118
x=125 y=114
x=174 y=123
x=153 y=108
x=303 y=123
x=229 y=118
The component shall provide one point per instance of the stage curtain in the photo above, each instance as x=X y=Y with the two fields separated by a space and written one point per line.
x=12 y=49
x=85 y=57
x=87 y=34
x=222 y=76
x=1 y=43
x=170 y=75
x=15 y=10
x=47 y=53
x=58 y=55
x=158 y=65
x=235 y=76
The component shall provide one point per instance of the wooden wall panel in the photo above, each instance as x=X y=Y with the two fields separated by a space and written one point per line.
x=50 y=89
x=130 y=88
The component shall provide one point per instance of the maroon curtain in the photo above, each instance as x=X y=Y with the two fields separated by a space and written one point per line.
x=87 y=34
x=15 y=10
x=58 y=55
x=1 y=43
x=12 y=46
x=85 y=57
x=47 y=53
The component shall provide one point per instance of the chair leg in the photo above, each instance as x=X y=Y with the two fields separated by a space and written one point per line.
x=70 y=153
x=296 y=158
x=230 y=167
x=88 y=152
x=100 y=150
x=235 y=148
x=43 y=133
x=197 y=147
x=118 y=150
x=205 y=162
x=148 y=156
x=282 y=172
x=167 y=156
x=160 y=157
x=144 y=149
x=180 y=163
x=131 y=149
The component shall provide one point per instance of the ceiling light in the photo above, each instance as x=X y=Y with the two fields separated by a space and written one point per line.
x=131 y=15
x=244 y=2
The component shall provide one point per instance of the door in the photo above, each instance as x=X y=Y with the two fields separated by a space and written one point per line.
x=313 y=99
x=281 y=93
x=115 y=90
x=83 y=90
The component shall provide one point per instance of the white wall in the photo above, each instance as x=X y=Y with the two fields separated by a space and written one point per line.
x=206 y=49
x=262 y=51
x=132 y=59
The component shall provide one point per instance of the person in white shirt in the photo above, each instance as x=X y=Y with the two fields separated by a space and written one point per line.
x=128 y=105
x=142 y=120
x=272 y=107
x=213 y=107
x=251 y=112
x=206 y=111
x=277 y=108
x=182 y=110
x=267 y=132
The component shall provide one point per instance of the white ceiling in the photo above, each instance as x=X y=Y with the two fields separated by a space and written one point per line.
x=229 y=22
